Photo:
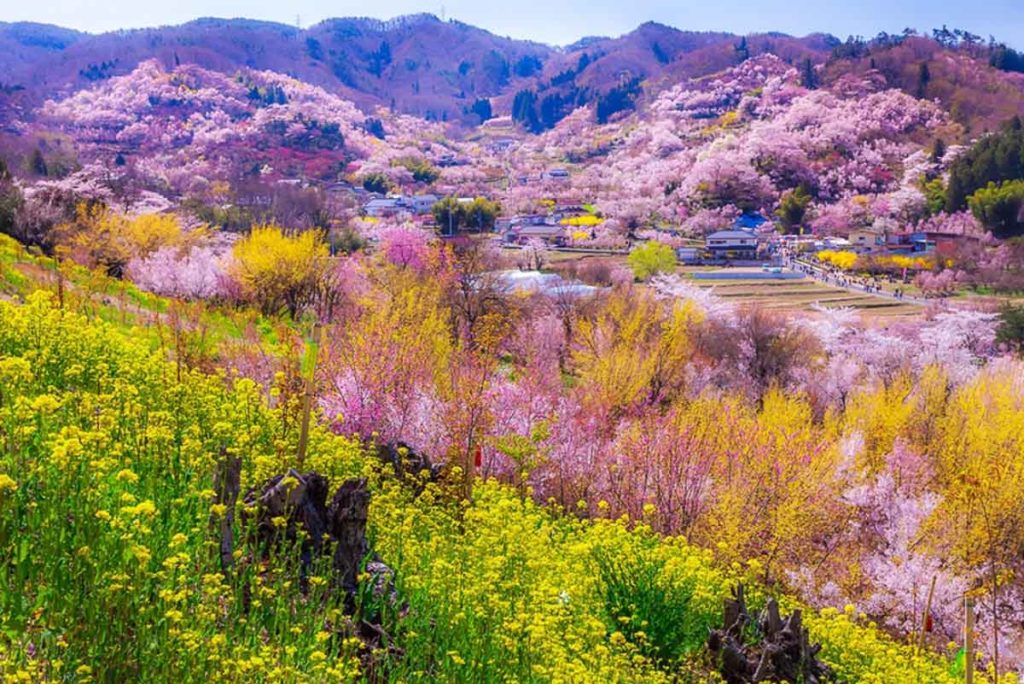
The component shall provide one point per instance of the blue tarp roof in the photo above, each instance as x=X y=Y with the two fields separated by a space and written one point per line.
x=749 y=221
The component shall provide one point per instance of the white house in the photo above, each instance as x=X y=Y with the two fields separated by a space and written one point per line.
x=391 y=206
x=732 y=244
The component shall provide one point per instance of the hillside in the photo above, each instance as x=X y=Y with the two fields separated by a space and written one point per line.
x=401 y=351
x=416 y=64
x=111 y=506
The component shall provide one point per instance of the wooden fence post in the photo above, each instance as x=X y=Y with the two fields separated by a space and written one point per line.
x=927 y=614
x=308 y=371
x=969 y=638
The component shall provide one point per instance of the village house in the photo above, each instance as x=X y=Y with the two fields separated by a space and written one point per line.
x=732 y=244
x=688 y=255
x=867 y=240
x=383 y=207
x=520 y=229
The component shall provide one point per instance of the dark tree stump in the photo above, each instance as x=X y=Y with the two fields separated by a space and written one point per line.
x=346 y=520
x=783 y=652
x=291 y=511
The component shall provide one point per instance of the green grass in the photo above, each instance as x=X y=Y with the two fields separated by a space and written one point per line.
x=802 y=295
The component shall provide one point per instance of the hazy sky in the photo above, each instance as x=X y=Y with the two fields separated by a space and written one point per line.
x=559 y=21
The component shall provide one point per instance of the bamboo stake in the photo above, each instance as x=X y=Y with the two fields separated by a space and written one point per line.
x=307 y=396
x=969 y=638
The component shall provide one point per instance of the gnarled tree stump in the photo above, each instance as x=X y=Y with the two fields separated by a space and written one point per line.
x=782 y=652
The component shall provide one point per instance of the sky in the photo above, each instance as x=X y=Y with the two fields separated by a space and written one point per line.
x=560 y=22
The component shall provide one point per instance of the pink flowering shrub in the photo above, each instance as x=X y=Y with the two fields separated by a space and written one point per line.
x=406 y=246
x=197 y=273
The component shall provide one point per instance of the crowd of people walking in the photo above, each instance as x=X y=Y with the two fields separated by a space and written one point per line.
x=839 y=278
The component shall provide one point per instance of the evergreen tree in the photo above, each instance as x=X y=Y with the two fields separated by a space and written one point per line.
x=924 y=77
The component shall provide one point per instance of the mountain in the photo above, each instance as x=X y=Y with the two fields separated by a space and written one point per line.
x=414 y=64
x=655 y=127
x=451 y=71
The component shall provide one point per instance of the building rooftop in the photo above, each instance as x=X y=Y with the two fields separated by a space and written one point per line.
x=730 y=234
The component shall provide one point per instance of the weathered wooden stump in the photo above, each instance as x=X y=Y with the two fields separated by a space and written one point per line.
x=291 y=511
x=782 y=653
x=301 y=500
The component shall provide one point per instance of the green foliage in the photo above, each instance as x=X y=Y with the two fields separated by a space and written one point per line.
x=652 y=258
x=59 y=161
x=422 y=170
x=374 y=127
x=808 y=76
x=793 y=208
x=267 y=95
x=448 y=214
x=618 y=99
x=482 y=108
x=376 y=182
x=452 y=215
x=1000 y=208
x=924 y=77
x=742 y=50
x=314 y=49
x=524 y=110
x=1006 y=59
x=347 y=241
x=230 y=217
x=1011 y=327
x=527 y=66
x=495 y=67
x=380 y=59
x=660 y=54
x=934 y=195
x=11 y=200
x=993 y=159
x=654 y=614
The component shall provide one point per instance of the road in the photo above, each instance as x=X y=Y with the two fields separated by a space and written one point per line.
x=850 y=284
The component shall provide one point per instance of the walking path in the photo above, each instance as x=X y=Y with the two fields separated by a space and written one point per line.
x=849 y=283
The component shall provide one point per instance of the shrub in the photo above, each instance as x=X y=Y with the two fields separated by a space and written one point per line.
x=279 y=272
x=652 y=258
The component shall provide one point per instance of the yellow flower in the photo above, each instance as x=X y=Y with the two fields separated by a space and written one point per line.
x=7 y=483
x=142 y=554
x=127 y=476
x=45 y=404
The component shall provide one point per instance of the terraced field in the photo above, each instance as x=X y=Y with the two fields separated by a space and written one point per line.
x=803 y=294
